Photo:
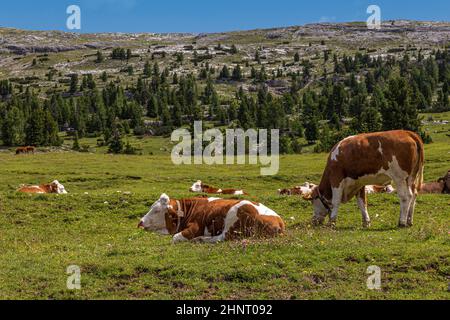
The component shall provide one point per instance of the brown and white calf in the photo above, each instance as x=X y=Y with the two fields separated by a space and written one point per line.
x=380 y=189
x=370 y=159
x=199 y=187
x=54 y=187
x=298 y=190
x=211 y=220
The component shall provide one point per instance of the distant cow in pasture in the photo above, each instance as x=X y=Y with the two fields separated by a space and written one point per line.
x=442 y=186
x=26 y=150
x=433 y=188
x=380 y=189
x=199 y=187
x=211 y=220
x=298 y=190
x=54 y=187
x=370 y=159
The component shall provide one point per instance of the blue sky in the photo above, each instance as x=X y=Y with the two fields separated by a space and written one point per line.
x=207 y=15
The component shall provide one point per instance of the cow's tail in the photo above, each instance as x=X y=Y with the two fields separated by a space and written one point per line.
x=421 y=164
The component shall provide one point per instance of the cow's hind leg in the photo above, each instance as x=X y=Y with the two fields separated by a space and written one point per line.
x=362 y=204
x=412 y=206
x=406 y=195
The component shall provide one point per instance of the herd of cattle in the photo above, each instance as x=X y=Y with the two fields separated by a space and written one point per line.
x=357 y=166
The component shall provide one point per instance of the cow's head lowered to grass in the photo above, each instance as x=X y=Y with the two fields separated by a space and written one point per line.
x=155 y=219
x=322 y=208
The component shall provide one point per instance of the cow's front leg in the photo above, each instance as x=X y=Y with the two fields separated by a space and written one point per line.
x=362 y=204
x=187 y=234
x=406 y=196
x=336 y=202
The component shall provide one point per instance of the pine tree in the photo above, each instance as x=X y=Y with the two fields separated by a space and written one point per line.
x=100 y=57
x=147 y=70
x=237 y=73
x=73 y=83
x=116 y=144
x=311 y=129
x=225 y=73
x=35 y=128
x=13 y=127
x=76 y=143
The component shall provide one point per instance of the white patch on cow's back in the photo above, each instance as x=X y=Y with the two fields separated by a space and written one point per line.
x=219 y=191
x=213 y=199
x=239 y=193
x=336 y=151
x=264 y=211
x=380 y=148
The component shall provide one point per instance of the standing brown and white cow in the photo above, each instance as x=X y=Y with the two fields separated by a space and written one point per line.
x=211 y=220
x=368 y=159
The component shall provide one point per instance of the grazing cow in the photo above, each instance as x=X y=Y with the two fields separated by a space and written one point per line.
x=374 y=158
x=27 y=150
x=54 y=187
x=298 y=190
x=211 y=220
x=199 y=187
x=380 y=189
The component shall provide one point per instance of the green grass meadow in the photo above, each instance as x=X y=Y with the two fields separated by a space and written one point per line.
x=94 y=227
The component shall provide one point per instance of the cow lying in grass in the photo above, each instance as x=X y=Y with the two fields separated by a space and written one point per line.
x=298 y=190
x=211 y=220
x=442 y=186
x=54 y=187
x=199 y=187
x=380 y=189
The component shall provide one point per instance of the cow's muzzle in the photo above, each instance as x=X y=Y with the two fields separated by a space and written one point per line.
x=141 y=225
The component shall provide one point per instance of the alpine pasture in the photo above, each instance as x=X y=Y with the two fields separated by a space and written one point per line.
x=94 y=227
